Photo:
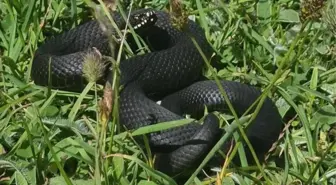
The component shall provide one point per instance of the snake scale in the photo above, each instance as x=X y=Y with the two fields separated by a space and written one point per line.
x=172 y=72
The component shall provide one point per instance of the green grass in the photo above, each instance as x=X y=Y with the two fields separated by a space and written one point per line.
x=59 y=137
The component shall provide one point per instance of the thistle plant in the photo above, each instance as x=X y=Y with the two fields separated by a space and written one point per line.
x=311 y=9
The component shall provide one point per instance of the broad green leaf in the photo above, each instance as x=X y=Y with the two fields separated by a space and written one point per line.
x=289 y=16
x=264 y=9
x=322 y=49
x=326 y=115
x=60 y=181
x=143 y=182
x=20 y=179
x=118 y=167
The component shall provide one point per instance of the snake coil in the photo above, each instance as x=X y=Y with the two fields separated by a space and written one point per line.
x=172 y=72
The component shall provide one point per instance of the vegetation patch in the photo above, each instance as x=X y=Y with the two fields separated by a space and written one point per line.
x=285 y=47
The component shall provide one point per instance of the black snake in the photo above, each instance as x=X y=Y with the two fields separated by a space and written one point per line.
x=173 y=68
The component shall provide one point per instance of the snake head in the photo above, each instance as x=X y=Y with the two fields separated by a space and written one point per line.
x=143 y=19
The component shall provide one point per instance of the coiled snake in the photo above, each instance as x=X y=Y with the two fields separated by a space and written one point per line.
x=173 y=68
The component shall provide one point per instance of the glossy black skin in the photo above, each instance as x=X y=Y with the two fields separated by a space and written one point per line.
x=174 y=68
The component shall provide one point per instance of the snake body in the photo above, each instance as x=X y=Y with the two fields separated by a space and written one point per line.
x=171 y=72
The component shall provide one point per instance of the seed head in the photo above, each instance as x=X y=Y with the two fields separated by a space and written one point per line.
x=179 y=16
x=93 y=66
x=329 y=15
x=311 y=9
